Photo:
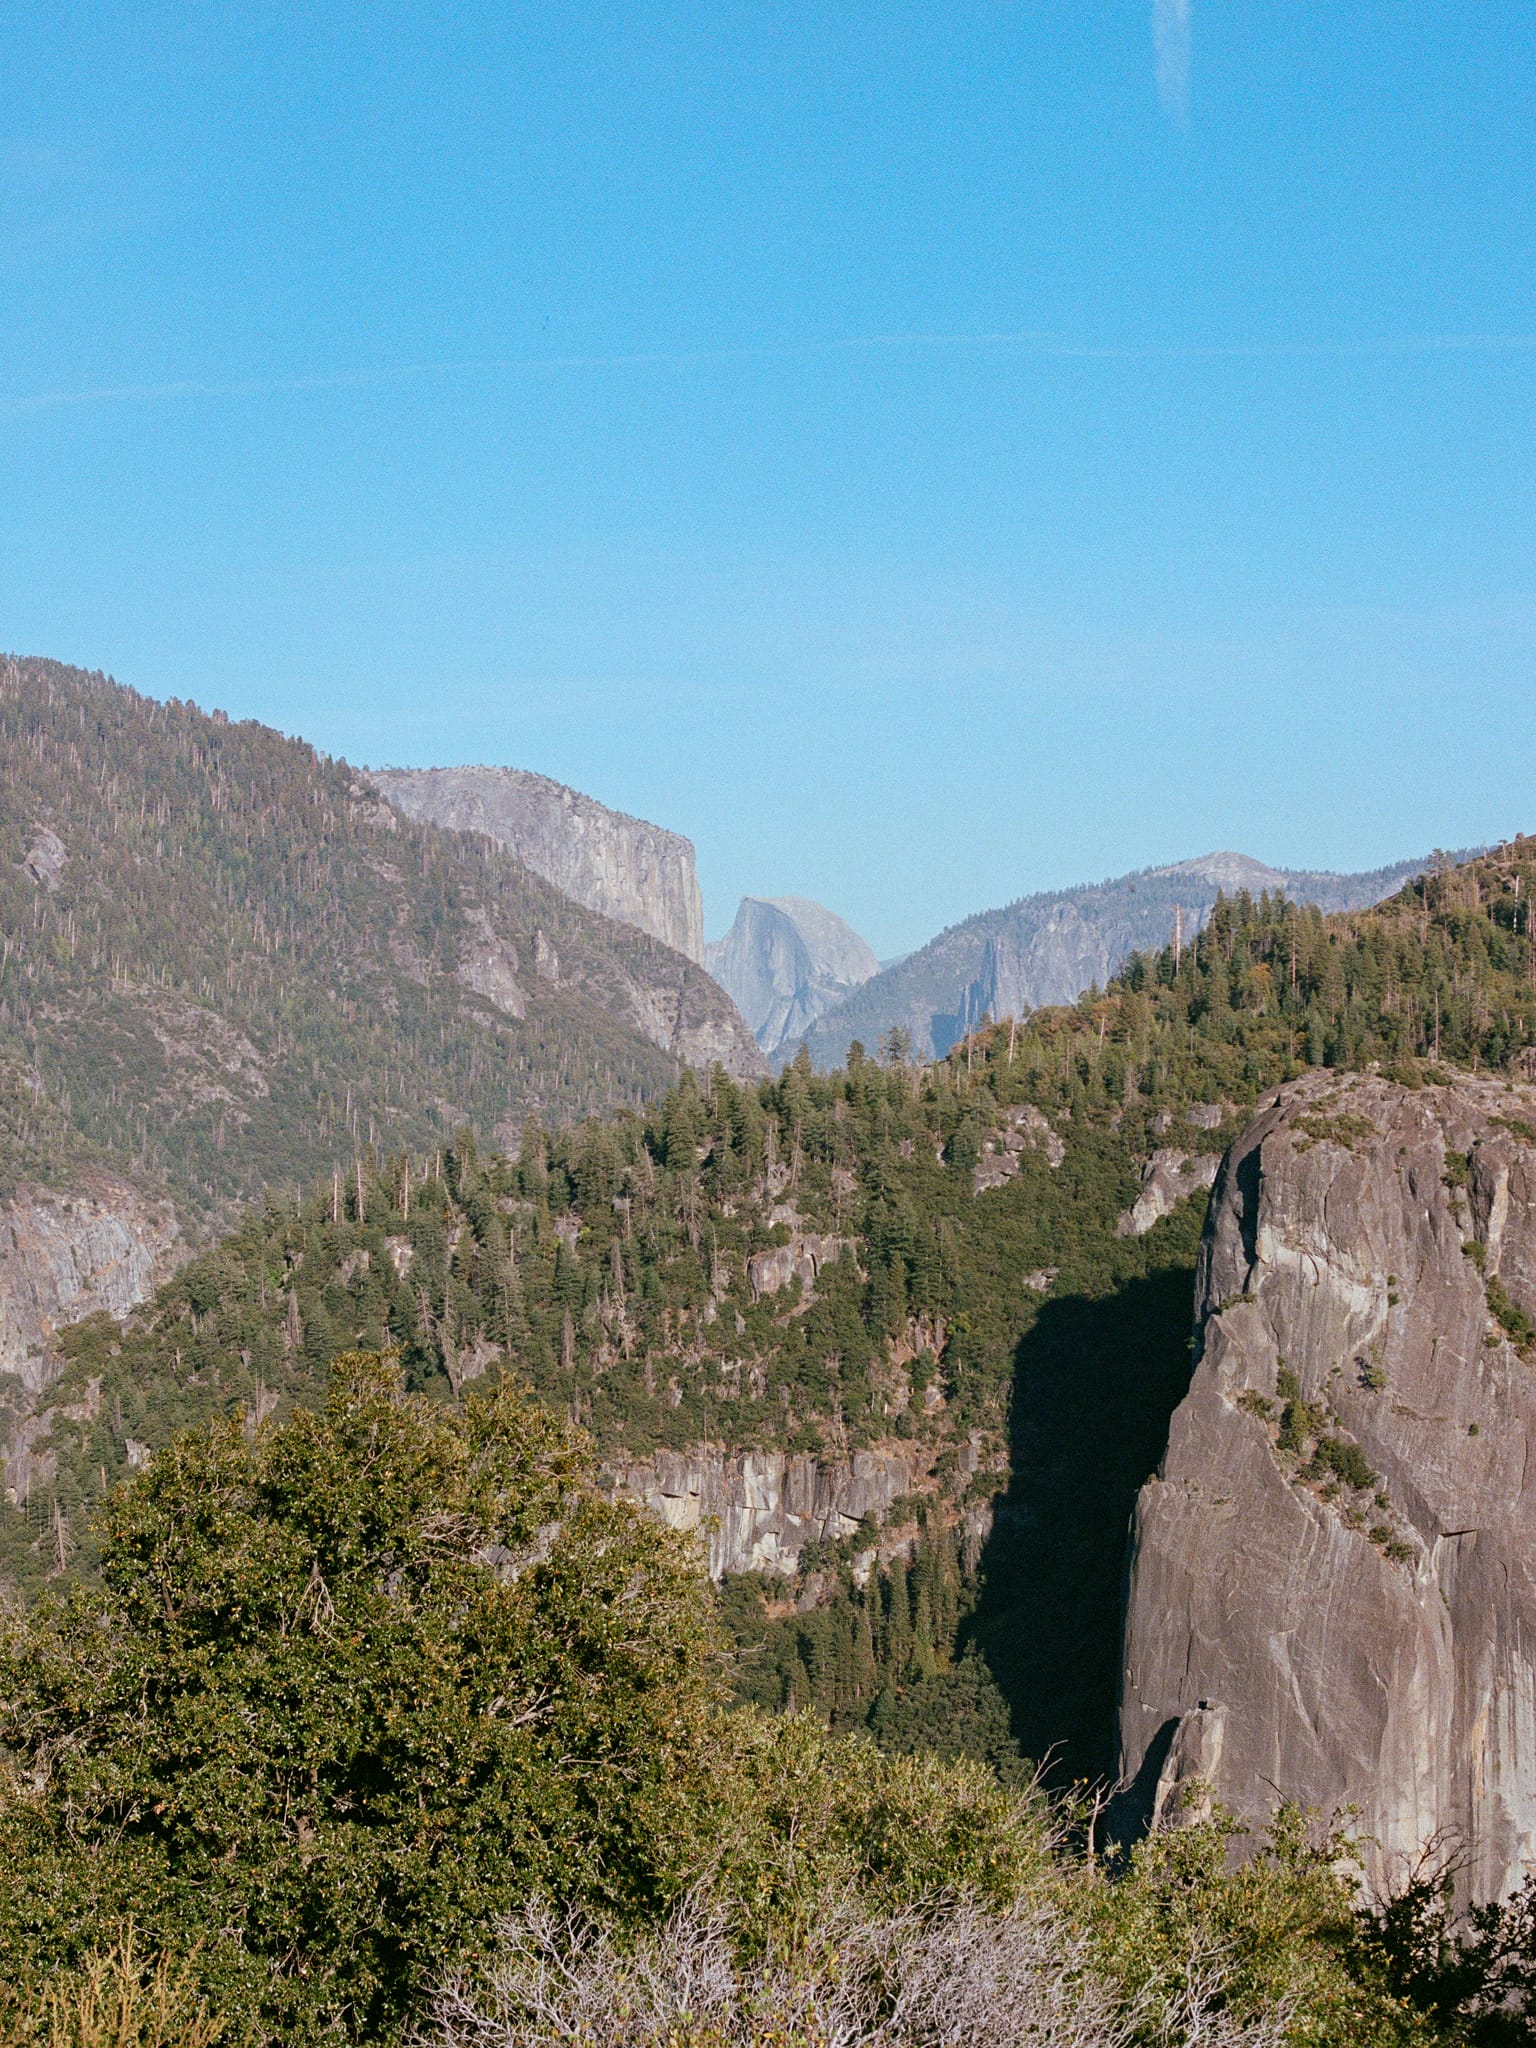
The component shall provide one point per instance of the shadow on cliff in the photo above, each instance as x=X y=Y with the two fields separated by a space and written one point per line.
x=1095 y=1383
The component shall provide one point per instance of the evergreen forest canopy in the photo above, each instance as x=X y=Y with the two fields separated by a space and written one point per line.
x=228 y=963
x=381 y=1725
x=1067 y=937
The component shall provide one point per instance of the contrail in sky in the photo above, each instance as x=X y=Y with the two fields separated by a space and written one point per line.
x=1170 y=41
x=1017 y=342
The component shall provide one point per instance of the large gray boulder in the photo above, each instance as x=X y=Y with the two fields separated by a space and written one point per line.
x=1332 y=1591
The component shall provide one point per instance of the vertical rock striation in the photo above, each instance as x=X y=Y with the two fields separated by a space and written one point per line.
x=1332 y=1592
x=636 y=873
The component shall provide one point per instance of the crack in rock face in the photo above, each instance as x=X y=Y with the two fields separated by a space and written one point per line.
x=1332 y=1594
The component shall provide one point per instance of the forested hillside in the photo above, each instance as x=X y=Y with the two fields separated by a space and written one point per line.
x=934 y=1256
x=227 y=965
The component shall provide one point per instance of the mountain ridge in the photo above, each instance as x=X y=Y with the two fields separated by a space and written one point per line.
x=228 y=958
x=1049 y=946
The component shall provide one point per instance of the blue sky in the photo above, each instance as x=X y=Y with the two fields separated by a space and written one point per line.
x=924 y=453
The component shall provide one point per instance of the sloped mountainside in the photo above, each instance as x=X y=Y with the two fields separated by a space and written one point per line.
x=228 y=966
x=790 y=1315
x=784 y=961
x=1049 y=948
x=227 y=963
x=1333 y=1588
x=623 y=868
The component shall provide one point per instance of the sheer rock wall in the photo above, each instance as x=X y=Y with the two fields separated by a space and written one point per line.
x=1332 y=1590
x=757 y=1510
x=102 y=1246
x=637 y=873
x=783 y=962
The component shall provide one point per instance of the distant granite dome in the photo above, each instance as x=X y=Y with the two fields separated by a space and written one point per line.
x=784 y=961
x=637 y=873
x=1050 y=947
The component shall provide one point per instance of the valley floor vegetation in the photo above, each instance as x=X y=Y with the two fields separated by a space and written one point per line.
x=382 y=1724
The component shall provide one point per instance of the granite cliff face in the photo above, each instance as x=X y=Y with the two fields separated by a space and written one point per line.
x=784 y=962
x=636 y=873
x=757 y=1510
x=1049 y=948
x=1332 y=1592
x=102 y=1247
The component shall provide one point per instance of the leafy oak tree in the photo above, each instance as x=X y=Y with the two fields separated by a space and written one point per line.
x=350 y=1688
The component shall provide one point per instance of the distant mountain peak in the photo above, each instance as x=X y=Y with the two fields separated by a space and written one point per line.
x=784 y=961
x=1228 y=870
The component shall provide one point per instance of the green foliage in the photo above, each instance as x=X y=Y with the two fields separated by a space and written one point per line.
x=349 y=1687
x=357 y=1685
x=1337 y=1457
x=1443 y=971
x=1510 y=1317
x=1280 y=1931
x=803 y=1813
x=1467 y=1976
x=890 y=1650
x=612 y=1265
x=1344 y=1131
x=1132 y=912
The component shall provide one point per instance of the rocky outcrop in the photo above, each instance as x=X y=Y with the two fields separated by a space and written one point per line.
x=694 y=1020
x=1332 y=1592
x=102 y=1246
x=1024 y=1129
x=45 y=859
x=783 y=962
x=757 y=1510
x=801 y=1259
x=637 y=873
x=1049 y=948
x=1166 y=1179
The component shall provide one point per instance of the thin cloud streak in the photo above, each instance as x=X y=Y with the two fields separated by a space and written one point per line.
x=1170 y=42
x=1024 y=341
